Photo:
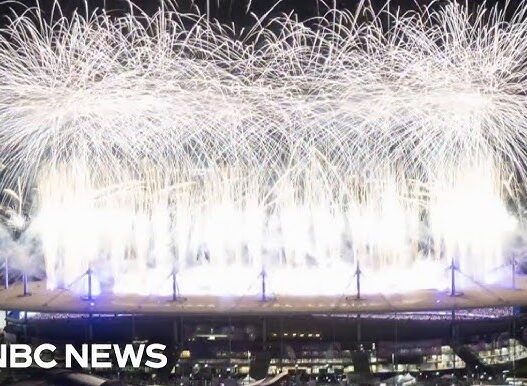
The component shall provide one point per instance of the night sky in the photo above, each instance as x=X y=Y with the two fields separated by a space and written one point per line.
x=235 y=10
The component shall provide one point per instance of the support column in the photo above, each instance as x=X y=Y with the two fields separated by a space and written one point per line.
x=452 y=279
x=176 y=296
x=358 y=274
x=25 y=284
x=453 y=268
x=264 y=291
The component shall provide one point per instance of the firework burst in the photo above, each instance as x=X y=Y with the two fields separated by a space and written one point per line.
x=152 y=144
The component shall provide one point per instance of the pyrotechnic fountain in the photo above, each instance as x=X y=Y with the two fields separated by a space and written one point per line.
x=148 y=148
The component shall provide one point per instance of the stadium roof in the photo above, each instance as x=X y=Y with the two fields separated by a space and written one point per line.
x=44 y=300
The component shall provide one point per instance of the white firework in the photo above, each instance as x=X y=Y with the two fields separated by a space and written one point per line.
x=171 y=142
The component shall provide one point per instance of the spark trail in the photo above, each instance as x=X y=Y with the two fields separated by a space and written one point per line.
x=151 y=144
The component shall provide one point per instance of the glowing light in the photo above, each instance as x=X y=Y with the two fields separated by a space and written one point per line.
x=216 y=154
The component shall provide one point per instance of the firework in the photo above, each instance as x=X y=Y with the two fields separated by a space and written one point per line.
x=145 y=146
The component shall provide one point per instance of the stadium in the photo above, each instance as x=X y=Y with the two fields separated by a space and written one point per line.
x=293 y=193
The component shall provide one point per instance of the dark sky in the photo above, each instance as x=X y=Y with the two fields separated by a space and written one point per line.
x=235 y=10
